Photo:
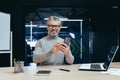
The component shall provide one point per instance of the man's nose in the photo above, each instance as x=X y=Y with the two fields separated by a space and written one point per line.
x=53 y=27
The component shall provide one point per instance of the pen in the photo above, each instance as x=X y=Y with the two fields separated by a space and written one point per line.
x=64 y=69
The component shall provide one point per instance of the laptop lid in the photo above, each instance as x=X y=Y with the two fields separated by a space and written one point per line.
x=106 y=64
x=110 y=56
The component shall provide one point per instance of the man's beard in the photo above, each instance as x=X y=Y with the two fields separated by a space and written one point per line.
x=53 y=33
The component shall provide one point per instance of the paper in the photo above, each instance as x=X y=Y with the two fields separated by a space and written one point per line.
x=113 y=71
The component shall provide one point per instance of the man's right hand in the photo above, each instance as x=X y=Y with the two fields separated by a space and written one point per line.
x=56 y=47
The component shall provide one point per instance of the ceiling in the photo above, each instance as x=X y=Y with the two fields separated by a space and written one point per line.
x=99 y=11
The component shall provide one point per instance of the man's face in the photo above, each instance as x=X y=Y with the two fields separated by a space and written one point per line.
x=53 y=27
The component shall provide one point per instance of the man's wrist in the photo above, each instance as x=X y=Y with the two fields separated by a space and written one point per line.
x=67 y=55
x=50 y=52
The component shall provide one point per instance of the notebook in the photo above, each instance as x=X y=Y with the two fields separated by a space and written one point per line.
x=101 y=67
x=43 y=73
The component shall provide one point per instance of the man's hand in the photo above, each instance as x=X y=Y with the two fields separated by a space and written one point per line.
x=64 y=48
x=56 y=47
x=60 y=46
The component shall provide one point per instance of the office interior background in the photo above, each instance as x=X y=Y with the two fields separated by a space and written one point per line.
x=95 y=22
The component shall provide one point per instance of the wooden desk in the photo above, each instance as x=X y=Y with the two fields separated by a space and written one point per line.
x=56 y=74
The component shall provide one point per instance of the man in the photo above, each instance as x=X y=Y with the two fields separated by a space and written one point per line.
x=50 y=50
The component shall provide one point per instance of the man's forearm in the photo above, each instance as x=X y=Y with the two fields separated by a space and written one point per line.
x=38 y=58
x=69 y=58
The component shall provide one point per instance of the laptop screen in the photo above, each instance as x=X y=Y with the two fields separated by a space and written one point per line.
x=110 y=56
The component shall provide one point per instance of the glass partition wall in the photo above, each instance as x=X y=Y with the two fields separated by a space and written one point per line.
x=35 y=26
x=92 y=30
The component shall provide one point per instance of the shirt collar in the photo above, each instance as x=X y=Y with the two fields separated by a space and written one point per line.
x=52 y=37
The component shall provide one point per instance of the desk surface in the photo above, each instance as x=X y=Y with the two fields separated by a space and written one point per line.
x=7 y=73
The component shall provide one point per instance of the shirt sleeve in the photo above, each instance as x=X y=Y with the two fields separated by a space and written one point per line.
x=38 y=54
x=69 y=58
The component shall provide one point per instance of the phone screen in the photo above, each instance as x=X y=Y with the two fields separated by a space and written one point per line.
x=67 y=40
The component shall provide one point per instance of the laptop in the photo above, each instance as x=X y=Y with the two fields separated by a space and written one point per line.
x=101 y=67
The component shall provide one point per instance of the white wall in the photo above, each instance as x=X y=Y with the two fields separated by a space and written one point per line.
x=4 y=31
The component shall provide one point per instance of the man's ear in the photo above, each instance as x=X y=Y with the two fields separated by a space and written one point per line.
x=60 y=27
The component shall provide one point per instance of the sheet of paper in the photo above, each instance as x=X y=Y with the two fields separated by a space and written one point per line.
x=113 y=71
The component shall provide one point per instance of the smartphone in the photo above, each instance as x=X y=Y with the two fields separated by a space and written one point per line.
x=67 y=40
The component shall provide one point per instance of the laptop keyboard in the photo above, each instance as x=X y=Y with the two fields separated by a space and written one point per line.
x=95 y=66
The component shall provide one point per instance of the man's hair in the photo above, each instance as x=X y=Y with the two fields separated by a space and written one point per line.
x=55 y=18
